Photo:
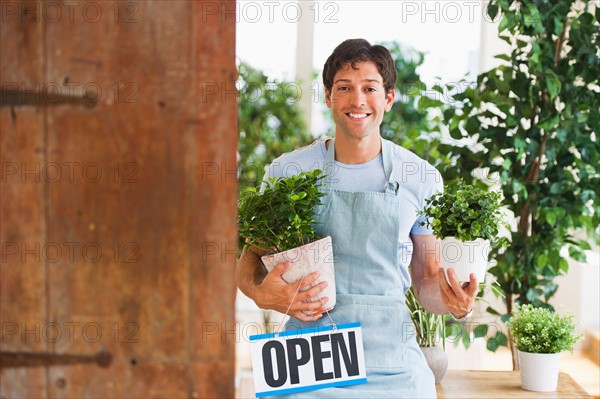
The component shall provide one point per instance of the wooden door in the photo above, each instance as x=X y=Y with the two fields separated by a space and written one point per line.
x=118 y=197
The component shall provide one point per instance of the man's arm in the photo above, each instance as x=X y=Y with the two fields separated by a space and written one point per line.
x=430 y=284
x=271 y=291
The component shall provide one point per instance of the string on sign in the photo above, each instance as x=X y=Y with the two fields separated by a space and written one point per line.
x=280 y=328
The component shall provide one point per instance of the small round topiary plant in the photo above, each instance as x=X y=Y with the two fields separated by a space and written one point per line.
x=282 y=216
x=541 y=330
x=463 y=211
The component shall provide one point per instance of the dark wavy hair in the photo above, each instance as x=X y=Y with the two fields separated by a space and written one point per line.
x=352 y=51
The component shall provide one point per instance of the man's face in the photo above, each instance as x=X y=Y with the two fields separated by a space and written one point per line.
x=358 y=100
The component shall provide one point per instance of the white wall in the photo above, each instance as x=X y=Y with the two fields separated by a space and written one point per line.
x=578 y=291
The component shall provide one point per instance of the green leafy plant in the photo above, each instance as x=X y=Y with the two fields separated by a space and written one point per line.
x=429 y=327
x=541 y=330
x=414 y=122
x=463 y=211
x=270 y=123
x=281 y=216
x=533 y=123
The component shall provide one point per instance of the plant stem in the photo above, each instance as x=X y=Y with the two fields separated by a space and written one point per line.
x=559 y=43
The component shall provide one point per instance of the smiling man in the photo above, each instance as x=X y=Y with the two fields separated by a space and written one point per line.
x=374 y=189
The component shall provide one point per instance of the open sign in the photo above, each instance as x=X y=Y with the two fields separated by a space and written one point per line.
x=309 y=359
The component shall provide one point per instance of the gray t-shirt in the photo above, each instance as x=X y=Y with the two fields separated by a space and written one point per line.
x=418 y=181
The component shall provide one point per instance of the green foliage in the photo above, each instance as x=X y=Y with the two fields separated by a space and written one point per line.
x=466 y=331
x=498 y=340
x=429 y=327
x=414 y=121
x=463 y=211
x=533 y=122
x=282 y=216
x=540 y=330
x=270 y=123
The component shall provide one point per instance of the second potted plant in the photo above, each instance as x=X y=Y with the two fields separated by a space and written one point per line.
x=540 y=336
x=280 y=219
x=467 y=220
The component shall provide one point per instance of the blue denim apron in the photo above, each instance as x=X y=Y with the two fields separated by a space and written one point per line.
x=364 y=227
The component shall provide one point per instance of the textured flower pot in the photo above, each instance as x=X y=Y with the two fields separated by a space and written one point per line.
x=437 y=360
x=539 y=371
x=465 y=257
x=312 y=257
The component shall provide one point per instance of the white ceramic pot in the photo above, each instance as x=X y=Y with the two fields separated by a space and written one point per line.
x=437 y=360
x=539 y=371
x=312 y=257
x=466 y=257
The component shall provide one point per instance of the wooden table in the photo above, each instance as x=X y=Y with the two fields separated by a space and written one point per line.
x=501 y=384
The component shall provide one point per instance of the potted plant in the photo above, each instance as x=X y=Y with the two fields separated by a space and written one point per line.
x=467 y=220
x=280 y=219
x=429 y=329
x=540 y=336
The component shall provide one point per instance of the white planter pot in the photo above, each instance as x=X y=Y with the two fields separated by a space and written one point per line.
x=466 y=257
x=539 y=371
x=312 y=257
x=437 y=360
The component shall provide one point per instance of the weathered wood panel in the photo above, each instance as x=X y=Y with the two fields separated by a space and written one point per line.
x=22 y=190
x=214 y=248
x=137 y=209
x=129 y=202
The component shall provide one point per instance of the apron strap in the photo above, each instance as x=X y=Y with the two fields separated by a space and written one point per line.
x=392 y=186
x=329 y=167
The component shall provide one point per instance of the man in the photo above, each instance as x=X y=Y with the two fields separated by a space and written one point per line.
x=373 y=193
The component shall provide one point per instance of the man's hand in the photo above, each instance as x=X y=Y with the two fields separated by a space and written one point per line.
x=459 y=300
x=275 y=293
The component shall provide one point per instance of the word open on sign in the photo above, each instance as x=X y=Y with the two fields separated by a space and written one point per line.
x=308 y=359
